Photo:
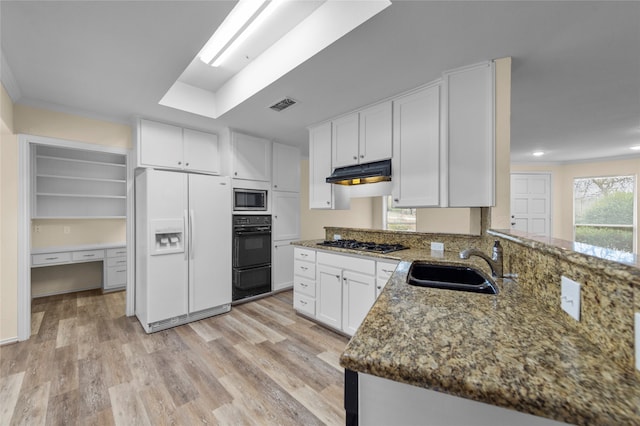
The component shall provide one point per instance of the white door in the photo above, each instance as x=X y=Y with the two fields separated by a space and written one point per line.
x=358 y=297
x=375 y=133
x=286 y=215
x=329 y=296
x=531 y=203
x=345 y=141
x=201 y=152
x=209 y=242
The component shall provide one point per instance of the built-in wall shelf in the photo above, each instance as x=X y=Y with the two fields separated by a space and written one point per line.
x=72 y=183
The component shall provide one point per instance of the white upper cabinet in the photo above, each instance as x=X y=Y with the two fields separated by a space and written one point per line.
x=171 y=147
x=320 y=192
x=469 y=100
x=362 y=137
x=344 y=141
x=375 y=133
x=416 y=148
x=286 y=168
x=250 y=157
x=201 y=151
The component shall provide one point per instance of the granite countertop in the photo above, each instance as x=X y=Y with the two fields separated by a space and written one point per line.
x=505 y=350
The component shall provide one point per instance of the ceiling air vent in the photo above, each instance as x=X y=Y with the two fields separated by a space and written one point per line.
x=283 y=104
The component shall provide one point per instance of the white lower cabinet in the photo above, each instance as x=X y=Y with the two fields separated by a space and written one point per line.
x=282 y=266
x=384 y=270
x=337 y=289
x=358 y=295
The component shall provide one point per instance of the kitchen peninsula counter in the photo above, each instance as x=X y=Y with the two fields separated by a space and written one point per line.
x=506 y=350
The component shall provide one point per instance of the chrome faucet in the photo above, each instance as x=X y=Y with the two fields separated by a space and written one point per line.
x=495 y=261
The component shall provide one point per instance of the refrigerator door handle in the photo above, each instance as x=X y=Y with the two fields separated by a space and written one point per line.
x=186 y=241
x=191 y=230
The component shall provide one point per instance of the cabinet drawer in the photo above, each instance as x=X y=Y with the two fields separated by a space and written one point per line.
x=385 y=269
x=115 y=252
x=117 y=261
x=304 y=286
x=304 y=254
x=47 y=258
x=79 y=256
x=351 y=263
x=304 y=304
x=116 y=276
x=304 y=269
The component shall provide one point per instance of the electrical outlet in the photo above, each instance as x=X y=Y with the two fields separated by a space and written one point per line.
x=437 y=246
x=38 y=229
x=570 y=297
x=337 y=237
x=66 y=229
x=638 y=340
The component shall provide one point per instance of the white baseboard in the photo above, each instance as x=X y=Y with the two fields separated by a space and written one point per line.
x=8 y=341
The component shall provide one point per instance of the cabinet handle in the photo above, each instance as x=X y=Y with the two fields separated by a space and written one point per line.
x=302 y=302
x=124 y=270
x=303 y=255
x=121 y=261
x=355 y=158
x=361 y=156
x=387 y=271
x=338 y=276
x=304 y=268
x=513 y=223
x=50 y=258
x=396 y=200
x=379 y=287
x=235 y=173
x=186 y=164
x=179 y=162
x=89 y=255
x=275 y=186
x=304 y=285
x=328 y=202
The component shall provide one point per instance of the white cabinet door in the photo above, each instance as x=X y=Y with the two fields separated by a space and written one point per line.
x=209 y=231
x=359 y=293
x=201 y=152
x=384 y=270
x=286 y=168
x=470 y=133
x=345 y=140
x=286 y=215
x=320 y=192
x=416 y=149
x=282 y=265
x=251 y=157
x=375 y=133
x=329 y=296
x=160 y=145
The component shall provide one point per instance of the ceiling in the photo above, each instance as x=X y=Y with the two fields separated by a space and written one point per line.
x=575 y=71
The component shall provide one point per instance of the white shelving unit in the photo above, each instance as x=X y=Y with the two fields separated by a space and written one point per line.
x=72 y=183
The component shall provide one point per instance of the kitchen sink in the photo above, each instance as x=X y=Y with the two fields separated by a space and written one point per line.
x=460 y=278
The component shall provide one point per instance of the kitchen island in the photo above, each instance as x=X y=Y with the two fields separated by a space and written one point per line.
x=506 y=350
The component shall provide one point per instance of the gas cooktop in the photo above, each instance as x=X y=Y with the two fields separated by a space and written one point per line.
x=363 y=246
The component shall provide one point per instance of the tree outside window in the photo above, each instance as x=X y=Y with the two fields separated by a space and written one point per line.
x=604 y=211
x=398 y=219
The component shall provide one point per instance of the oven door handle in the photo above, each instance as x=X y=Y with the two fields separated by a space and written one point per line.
x=267 y=231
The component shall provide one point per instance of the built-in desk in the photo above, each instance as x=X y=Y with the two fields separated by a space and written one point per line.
x=113 y=257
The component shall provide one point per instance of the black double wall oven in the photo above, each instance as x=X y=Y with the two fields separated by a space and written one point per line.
x=251 y=256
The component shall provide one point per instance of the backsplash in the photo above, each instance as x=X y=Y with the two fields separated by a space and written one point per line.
x=610 y=291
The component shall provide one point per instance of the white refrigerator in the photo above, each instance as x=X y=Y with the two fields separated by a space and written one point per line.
x=183 y=247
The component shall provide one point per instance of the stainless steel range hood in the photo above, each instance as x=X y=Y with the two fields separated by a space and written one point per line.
x=379 y=171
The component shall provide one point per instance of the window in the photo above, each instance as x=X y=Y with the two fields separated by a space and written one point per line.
x=397 y=219
x=604 y=212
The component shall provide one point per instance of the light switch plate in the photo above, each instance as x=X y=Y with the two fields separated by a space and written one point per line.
x=637 y=340
x=570 y=297
x=437 y=246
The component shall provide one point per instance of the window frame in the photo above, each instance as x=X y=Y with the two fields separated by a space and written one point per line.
x=387 y=203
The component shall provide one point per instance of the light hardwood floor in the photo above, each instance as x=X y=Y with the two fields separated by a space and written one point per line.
x=87 y=363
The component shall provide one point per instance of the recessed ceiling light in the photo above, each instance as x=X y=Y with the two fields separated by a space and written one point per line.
x=538 y=153
x=635 y=147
